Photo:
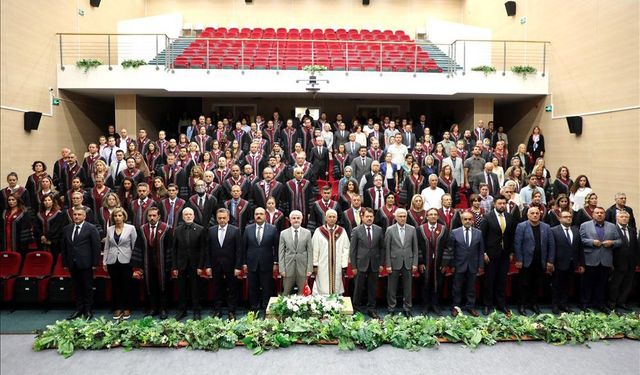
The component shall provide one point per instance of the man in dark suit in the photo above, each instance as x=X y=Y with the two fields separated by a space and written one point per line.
x=620 y=205
x=409 y=138
x=319 y=157
x=188 y=257
x=534 y=250
x=433 y=239
x=341 y=136
x=401 y=251
x=352 y=147
x=260 y=254
x=599 y=240
x=225 y=262
x=80 y=255
x=361 y=164
x=488 y=177
x=268 y=187
x=239 y=209
x=466 y=249
x=366 y=254
x=569 y=257
x=625 y=259
x=497 y=228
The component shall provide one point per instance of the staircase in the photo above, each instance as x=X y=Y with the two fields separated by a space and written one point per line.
x=176 y=49
x=440 y=57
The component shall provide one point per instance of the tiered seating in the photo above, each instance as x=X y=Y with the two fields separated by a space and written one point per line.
x=269 y=48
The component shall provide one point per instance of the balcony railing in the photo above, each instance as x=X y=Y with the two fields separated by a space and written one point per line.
x=458 y=57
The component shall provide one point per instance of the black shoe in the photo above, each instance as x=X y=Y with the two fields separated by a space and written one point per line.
x=88 y=315
x=485 y=310
x=407 y=313
x=565 y=308
x=536 y=309
x=216 y=313
x=232 y=315
x=473 y=313
x=180 y=315
x=373 y=314
x=504 y=310
x=196 y=315
x=163 y=314
x=521 y=310
x=555 y=310
x=76 y=314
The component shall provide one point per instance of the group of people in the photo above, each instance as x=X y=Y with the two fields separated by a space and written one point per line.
x=305 y=200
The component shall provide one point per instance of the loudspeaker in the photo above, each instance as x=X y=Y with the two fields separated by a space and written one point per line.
x=575 y=124
x=365 y=2
x=32 y=120
x=510 y=6
x=248 y=1
x=94 y=3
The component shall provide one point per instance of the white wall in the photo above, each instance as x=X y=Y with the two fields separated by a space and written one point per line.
x=146 y=47
x=444 y=32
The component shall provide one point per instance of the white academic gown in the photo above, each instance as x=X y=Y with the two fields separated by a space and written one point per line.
x=323 y=259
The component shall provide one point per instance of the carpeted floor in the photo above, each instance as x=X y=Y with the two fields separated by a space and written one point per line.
x=613 y=357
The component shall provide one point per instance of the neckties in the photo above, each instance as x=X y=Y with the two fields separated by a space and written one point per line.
x=356 y=216
x=566 y=232
x=170 y=218
x=453 y=161
x=110 y=155
x=401 y=231
x=259 y=234
x=295 y=239
x=267 y=189
x=117 y=168
x=234 y=207
x=152 y=235
x=503 y=225
x=379 y=199
x=626 y=234
x=408 y=139
x=363 y=162
x=75 y=233
x=221 y=236
x=467 y=237
x=369 y=235
x=201 y=202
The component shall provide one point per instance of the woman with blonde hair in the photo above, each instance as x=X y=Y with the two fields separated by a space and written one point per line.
x=416 y=214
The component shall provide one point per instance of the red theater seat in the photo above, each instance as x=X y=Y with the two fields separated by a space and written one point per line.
x=31 y=284
x=9 y=270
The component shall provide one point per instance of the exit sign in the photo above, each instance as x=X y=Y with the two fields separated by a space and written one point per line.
x=55 y=101
x=548 y=108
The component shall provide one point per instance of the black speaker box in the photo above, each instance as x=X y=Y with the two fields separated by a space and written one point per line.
x=365 y=2
x=575 y=124
x=94 y=3
x=32 y=120
x=510 y=6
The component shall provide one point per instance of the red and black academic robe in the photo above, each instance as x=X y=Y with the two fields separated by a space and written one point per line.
x=385 y=217
x=339 y=162
x=308 y=140
x=175 y=151
x=432 y=248
x=214 y=189
x=204 y=142
x=280 y=173
x=154 y=161
x=58 y=173
x=308 y=172
x=89 y=163
x=553 y=217
x=175 y=213
x=243 y=139
x=299 y=197
x=288 y=138
x=104 y=221
x=21 y=192
x=318 y=211
x=514 y=210
x=92 y=180
x=160 y=259
x=50 y=225
x=259 y=192
x=478 y=218
x=138 y=212
x=243 y=214
x=33 y=187
x=203 y=214
x=418 y=157
x=70 y=173
x=257 y=162
x=220 y=175
x=416 y=218
x=134 y=174
x=270 y=134
x=376 y=154
x=277 y=219
x=446 y=218
x=169 y=174
x=503 y=158
x=97 y=197
x=162 y=145
x=15 y=232
x=87 y=200
x=243 y=182
x=143 y=145
x=410 y=187
x=345 y=201
x=348 y=219
x=370 y=197
x=582 y=216
x=450 y=186
x=543 y=212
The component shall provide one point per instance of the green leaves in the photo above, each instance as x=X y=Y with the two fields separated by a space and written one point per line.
x=126 y=64
x=86 y=64
x=348 y=332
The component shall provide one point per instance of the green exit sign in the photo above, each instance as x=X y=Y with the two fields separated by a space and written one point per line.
x=55 y=101
x=548 y=108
